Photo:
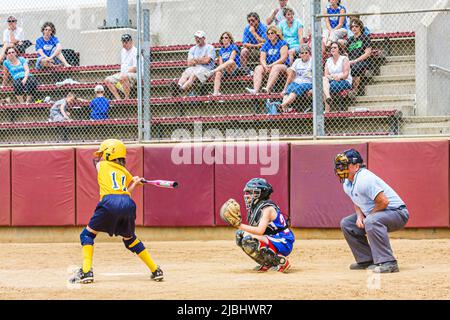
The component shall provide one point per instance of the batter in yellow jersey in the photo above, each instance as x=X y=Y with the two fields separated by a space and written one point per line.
x=115 y=213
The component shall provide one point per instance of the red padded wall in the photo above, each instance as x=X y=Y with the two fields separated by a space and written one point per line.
x=43 y=187
x=238 y=163
x=88 y=193
x=5 y=188
x=192 y=203
x=419 y=173
x=317 y=198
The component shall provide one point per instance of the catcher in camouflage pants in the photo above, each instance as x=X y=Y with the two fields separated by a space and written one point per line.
x=267 y=238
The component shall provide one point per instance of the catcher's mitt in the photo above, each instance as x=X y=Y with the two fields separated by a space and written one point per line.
x=230 y=212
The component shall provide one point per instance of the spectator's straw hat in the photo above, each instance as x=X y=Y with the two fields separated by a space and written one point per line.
x=99 y=88
x=200 y=34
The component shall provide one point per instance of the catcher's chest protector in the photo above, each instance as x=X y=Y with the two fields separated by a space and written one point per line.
x=254 y=216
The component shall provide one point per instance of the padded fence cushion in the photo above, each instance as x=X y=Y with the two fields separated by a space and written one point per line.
x=192 y=203
x=317 y=198
x=88 y=193
x=238 y=163
x=43 y=187
x=5 y=188
x=419 y=173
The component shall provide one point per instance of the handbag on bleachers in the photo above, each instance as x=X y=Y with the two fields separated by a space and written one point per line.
x=71 y=56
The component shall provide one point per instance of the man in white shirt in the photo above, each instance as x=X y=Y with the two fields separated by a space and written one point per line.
x=200 y=61
x=127 y=77
x=12 y=36
x=277 y=15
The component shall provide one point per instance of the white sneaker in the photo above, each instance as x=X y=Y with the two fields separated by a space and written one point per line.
x=251 y=91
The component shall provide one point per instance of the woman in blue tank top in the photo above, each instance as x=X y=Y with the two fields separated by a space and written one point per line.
x=335 y=27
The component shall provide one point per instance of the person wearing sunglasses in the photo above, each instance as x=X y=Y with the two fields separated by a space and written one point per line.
x=274 y=61
x=378 y=211
x=23 y=82
x=12 y=36
x=337 y=76
x=359 y=49
x=292 y=30
x=253 y=38
x=49 y=48
x=299 y=79
x=229 y=61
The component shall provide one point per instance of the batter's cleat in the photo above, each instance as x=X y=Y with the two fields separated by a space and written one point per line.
x=386 y=267
x=157 y=275
x=81 y=277
x=283 y=267
x=361 y=265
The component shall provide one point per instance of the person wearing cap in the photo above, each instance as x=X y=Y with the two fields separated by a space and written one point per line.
x=200 y=62
x=378 y=210
x=127 y=77
x=99 y=105
x=49 y=48
x=12 y=36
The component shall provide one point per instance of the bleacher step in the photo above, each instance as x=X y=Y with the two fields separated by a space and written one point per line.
x=391 y=59
x=398 y=68
x=426 y=125
x=391 y=89
x=407 y=110
x=394 y=78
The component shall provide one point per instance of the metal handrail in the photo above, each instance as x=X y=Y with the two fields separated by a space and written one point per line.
x=435 y=68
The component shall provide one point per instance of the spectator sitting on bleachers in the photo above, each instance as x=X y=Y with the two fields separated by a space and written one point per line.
x=274 y=60
x=292 y=32
x=49 y=48
x=299 y=79
x=253 y=38
x=23 y=80
x=277 y=15
x=59 y=111
x=200 y=62
x=336 y=27
x=337 y=76
x=359 y=51
x=127 y=77
x=349 y=30
x=229 y=60
x=13 y=36
x=99 y=105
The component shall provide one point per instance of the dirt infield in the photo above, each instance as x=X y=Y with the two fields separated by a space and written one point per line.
x=219 y=270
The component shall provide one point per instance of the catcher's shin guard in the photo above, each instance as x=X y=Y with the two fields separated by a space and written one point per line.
x=239 y=237
x=261 y=254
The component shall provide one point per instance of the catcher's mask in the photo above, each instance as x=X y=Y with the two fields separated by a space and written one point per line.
x=343 y=160
x=255 y=190
x=111 y=149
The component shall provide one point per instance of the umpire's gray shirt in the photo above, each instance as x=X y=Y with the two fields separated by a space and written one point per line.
x=365 y=188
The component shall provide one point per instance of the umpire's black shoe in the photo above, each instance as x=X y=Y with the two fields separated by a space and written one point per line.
x=157 y=275
x=387 y=267
x=361 y=265
x=81 y=277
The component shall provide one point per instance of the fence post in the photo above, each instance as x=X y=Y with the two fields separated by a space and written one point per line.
x=318 y=117
x=139 y=69
x=147 y=78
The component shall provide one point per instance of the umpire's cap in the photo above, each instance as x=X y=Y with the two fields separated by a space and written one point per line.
x=126 y=37
x=353 y=156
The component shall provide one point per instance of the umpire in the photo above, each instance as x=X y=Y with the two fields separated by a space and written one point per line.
x=378 y=210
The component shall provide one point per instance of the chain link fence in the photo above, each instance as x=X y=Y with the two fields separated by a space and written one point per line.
x=222 y=69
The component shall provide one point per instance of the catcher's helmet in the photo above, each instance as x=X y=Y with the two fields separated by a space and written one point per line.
x=342 y=160
x=111 y=149
x=255 y=190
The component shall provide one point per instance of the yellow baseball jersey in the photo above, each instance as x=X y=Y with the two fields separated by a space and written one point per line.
x=113 y=179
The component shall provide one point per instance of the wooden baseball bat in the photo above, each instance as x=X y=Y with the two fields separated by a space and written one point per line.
x=161 y=183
